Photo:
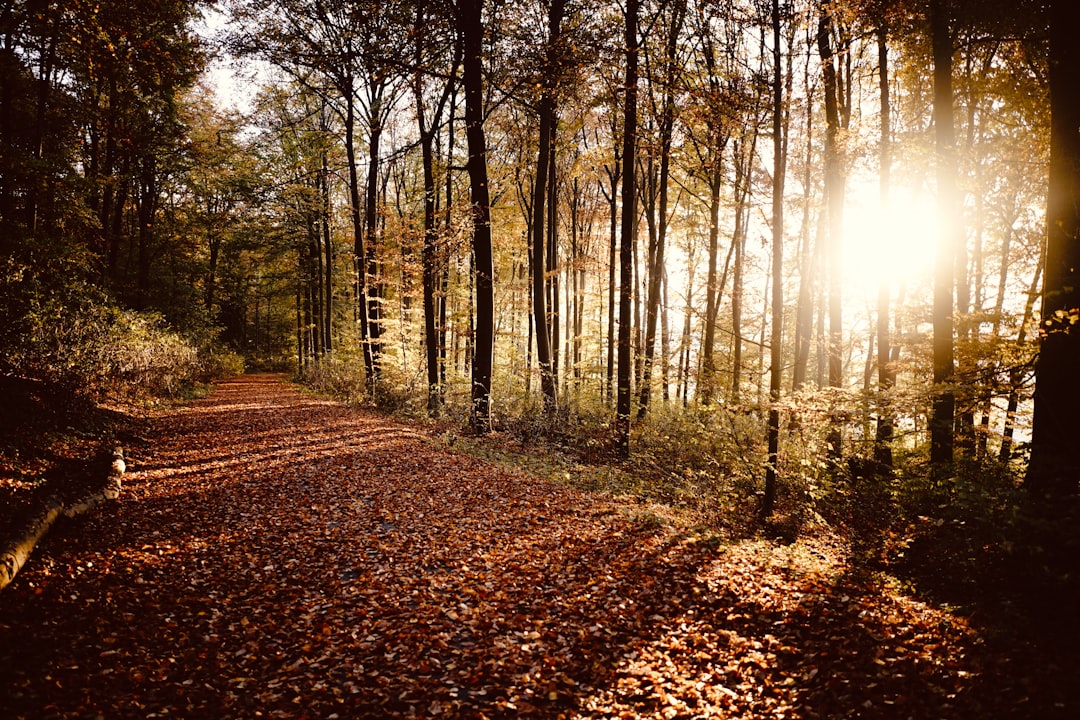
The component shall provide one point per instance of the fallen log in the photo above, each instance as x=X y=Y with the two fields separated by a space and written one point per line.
x=45 y=509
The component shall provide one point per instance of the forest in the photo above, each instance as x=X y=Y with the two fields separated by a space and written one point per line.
x=792 y=267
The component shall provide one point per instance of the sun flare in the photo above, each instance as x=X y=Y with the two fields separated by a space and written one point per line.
x=895 y=243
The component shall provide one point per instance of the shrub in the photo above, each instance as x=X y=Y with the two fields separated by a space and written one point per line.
x=80 y=344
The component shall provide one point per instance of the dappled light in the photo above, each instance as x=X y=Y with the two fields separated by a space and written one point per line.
x=652 y=358
x=380 y=574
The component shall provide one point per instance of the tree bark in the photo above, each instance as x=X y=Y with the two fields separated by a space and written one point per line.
x=656 y=269
x=776 y=336
x=883 y=434
x=44 y=511
x=944 y=402
x=471 y=27
x=1055 y=462
x=629 y=233
x=835 y=186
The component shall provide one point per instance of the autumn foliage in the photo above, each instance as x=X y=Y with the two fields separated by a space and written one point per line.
x=279 y=555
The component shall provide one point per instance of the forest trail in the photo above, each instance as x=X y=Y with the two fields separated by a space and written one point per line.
x=278 y=555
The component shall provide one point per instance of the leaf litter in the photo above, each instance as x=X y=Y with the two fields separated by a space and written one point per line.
x=281 y=556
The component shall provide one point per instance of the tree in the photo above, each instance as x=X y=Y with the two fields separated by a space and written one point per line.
x=886 y=373
x=944 y=398
x=545 y=165
x=470 y=26
x=627 y=238
x=658 y=238
x=836 y=87
x=1055 y=462
x=776 y=336
x=427 y=132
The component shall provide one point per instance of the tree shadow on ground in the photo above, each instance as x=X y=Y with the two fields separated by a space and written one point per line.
x=376 y=574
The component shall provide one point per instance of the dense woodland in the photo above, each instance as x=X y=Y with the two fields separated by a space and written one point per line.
x=811 y=259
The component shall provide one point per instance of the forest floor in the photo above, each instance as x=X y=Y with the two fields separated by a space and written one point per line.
x=278 y=555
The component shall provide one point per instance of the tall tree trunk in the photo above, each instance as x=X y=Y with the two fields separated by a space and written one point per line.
x=656 y=269
x=776 y=335
x=613 y=247
x=1055 y=463
x=944 y=402
x=431 y=234
x=707 y=381
x=744 y=158
x=372 y=281
x=886 y=373
x=359 y=256
x=471 y=26
x=804 y=310
x=835 y=182
x=147 y=212
x=546 y=109
x=629 y=232
x=433 y=261
x=326 y=276
x=552 y=260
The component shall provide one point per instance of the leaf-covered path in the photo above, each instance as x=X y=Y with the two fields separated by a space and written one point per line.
x=278 y=555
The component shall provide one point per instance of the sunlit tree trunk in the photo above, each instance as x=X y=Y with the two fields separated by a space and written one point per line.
x=629 y=233
x=552 y=258
x=707 y=380
x=944 y=402
x=613 y=247
x=430 y=253
x=886 y=374
x=657 y=264
x=744 y=159
x=370 y=267
x=326 y=273
x=804 y=309
x=776 y=335
x=835 y=187
x=359 y=269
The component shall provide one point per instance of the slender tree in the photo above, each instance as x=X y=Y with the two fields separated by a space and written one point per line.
x=469 y=15
x=776 y=336
x=837 y=113
x=628 y=237
x=944 y=402
x=657 y=246
x=886 y=373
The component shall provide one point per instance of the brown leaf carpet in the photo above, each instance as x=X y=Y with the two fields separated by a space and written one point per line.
x=275 y=555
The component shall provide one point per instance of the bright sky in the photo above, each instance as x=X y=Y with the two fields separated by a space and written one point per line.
x=233 y=90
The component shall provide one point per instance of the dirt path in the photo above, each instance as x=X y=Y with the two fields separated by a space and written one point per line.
x=277 y=555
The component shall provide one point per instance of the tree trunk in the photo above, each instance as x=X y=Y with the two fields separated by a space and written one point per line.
x=370 y=264
x=326 y=275
x=629 y=233
x=941 y=419
x=776 y=337
x=471 y=27
x=359 y=256
x=539 y=258
x=656 y=269
x=1055 y=463
x=886 y=374
x=835 y=182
